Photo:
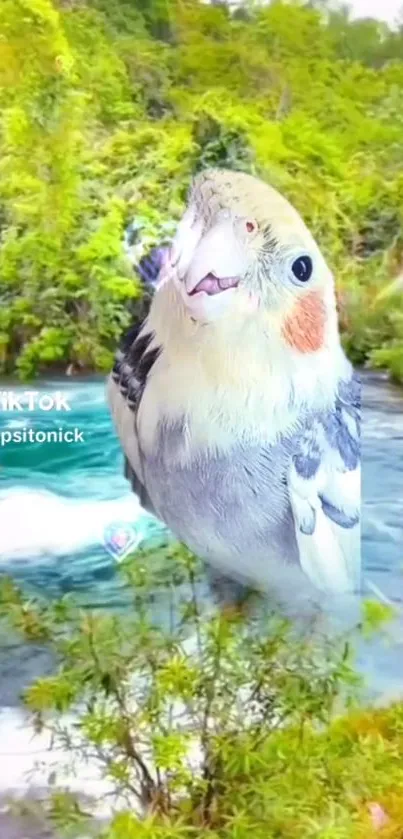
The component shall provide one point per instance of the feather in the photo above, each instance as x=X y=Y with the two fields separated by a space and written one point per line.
x=324 y=486
x=133 y=363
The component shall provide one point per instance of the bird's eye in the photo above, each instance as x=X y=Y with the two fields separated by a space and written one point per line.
x=302 y=268
x=250 y=226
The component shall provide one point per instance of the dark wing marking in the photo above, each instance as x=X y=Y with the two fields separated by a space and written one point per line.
x=324 y=486
x=331 y=441
x=138 y=487
x=134 y=361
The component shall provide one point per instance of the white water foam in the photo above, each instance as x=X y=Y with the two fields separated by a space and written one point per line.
x=37 y=523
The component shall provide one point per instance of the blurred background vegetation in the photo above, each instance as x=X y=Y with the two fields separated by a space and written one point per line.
x=109 y=106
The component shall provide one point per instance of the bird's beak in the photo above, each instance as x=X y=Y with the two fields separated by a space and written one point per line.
x=217 y=254
x=186 y=239
x=205 y=266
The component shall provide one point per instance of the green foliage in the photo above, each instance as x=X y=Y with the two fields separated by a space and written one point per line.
x=376 y=615
x=209 y=724
x=109 y=106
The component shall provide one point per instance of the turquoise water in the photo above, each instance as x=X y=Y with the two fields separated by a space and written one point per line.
x=59 y=499
x=60 y=502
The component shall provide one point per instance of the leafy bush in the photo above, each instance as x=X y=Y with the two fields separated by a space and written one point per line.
x=210 y=724
x=109 y=107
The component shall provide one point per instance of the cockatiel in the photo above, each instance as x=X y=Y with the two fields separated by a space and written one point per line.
x=236 y=408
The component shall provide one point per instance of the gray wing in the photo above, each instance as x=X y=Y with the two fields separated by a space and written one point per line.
x=133 y=363
x=325 y=492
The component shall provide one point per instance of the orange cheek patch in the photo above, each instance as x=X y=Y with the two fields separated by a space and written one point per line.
x=304 y=328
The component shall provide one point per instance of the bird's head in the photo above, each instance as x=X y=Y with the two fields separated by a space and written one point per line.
x=241 y=248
